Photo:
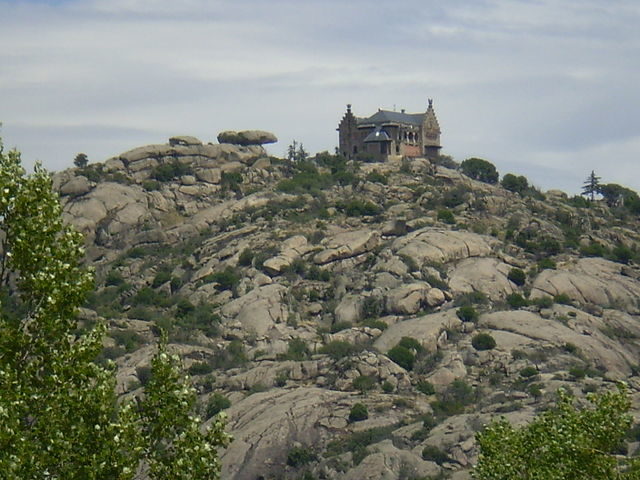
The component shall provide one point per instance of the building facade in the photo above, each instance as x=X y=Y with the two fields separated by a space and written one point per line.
x=387 y=135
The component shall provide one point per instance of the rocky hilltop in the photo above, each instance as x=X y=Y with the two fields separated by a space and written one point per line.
x=356 y=320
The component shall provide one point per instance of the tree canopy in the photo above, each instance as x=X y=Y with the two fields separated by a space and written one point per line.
x=480 y=169
x=59 y=415
x=564 y=443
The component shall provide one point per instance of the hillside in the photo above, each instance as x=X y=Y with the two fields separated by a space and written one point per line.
x=356 y=320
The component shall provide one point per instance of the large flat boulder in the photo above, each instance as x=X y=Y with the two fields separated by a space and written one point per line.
x=425 y=329
x=590 y=281
x=247 y=137
x=488 y=275
x=346 y=245
x=266 y=425
x=429 y=245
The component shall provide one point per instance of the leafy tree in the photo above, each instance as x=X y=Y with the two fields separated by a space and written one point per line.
x=81 y=160
x=480 y=169
x=59 y=417
x=513 y=183
x=591 y=186
x=564 y=443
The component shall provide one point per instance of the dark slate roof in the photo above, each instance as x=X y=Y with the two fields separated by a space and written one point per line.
x=385 y=116
x=377 y=136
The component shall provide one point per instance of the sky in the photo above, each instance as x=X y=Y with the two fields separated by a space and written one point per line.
x=549 y=89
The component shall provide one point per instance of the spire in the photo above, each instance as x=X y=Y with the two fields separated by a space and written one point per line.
x=431 y=124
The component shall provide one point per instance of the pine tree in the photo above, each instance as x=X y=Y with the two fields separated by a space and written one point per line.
x=591 y=186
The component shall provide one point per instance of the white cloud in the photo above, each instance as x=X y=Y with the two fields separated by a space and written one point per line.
x=540 y=87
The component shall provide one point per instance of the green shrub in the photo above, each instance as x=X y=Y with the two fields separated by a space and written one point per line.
x=113 y=278
x=426 y=387
x=402 y=356
x=315 y=273
x=517 y=276
x=513 y=183
x=297 y=350
x=169 y=171
x=479 y=169
x=377 y=177
x=446 y=216
x=364 y=383
x=144 y=374
x=483 y=341
x=246 y=257
x=622 y=254
x=515 y=300
x=228 y=279
x=434 y=454
x=546 y=263
x=467 y=313
x=200 y=368
x=358 y=208
x=411 y=344
x=358 y=413
x=216 y=403
x=129 y=339
x=387 y=387
x=232 y=356
x=563 y=299
x=454 y=399
x=594 y=249
x=299 y=456
x=160 y=279
x=151 y=185
x=471 y=298
x=528 y=372
x=543 y=302
x=338 y=349
x=535 y=390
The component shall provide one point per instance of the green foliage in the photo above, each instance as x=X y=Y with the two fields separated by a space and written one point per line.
x=81 y=160
x=528 y=372
x=246 y=257
x=231 y=181
x=426 y=387
x=175 y=447
x=200 y=368
x=471 y=298
x=594 y=249
x=228 y=279
x=513 y=183
x=216 y=403
x=562 y=443
x=358 y=412
x=515 y=300
x=297 y=350
x=479 y=169
x=338 y=349
x=364 y=383
x=454 y=399
x=377 y=177
x=59 y=417
x=434 y=454
x=467 y=313
x=357 y=207
x=546 y=263
x=232 y=356
x=446 y=216
x=591 y=186
x=402 y=356
x=483 y=341
x=517 y=276
x=170 y=171
x=299 y=456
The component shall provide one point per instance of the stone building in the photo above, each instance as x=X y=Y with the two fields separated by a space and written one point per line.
x=387 y=135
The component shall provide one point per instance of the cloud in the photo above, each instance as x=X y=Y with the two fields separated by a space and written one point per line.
x=538 y=87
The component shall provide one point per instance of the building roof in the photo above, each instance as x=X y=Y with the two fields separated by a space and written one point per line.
x=377 y=135
x=386 y=116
